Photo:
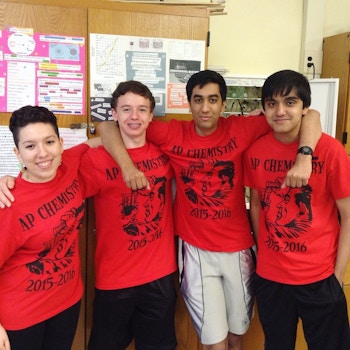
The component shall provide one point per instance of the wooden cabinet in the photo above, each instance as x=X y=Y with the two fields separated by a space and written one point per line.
x=336 y=64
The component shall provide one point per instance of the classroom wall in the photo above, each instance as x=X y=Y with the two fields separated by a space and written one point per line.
x=336 y=20
x=260 y=37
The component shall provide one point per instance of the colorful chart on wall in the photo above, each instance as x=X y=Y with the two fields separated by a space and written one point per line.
x=42 y=69
x=164 y=65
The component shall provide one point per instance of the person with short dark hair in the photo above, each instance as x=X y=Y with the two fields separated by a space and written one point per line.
x=303 y=247
x=40 y=279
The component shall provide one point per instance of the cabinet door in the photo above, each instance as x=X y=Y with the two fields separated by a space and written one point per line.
x=336 y=64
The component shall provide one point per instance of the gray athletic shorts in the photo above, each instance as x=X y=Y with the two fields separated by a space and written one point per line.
x=217 y=289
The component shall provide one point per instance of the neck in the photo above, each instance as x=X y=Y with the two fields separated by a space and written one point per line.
x=134 y=142
x=286 y=137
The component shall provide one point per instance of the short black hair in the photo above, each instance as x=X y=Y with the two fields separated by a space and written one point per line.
x=283 y=82
x=205 y=77
x=31 y=115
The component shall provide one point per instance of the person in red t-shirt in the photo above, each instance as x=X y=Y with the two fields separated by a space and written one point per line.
x=135 y=256
x=40 y=280
x=303 y=247
x=216 y=256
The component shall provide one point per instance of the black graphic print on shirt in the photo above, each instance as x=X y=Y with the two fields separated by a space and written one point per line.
x=215 y=180
x=287 y=213
x=57 y=253
x=143 y=210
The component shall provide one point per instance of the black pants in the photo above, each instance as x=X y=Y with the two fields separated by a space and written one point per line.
x=56 y=333
x=144 y=313
x=321 y=306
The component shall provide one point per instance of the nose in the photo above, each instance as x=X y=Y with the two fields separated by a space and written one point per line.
x=280 y=109
x=205 y=105
x=42 y=150
x=134 y=113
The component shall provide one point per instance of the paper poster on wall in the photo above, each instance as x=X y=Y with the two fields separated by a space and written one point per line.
x=42 y=69
x=164 y=65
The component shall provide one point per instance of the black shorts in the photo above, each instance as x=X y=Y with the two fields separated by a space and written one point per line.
x=144 y=313
x=321 y=306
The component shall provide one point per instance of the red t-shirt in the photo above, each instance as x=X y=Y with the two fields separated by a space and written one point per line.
x=135 y=241
x=299 y=227
x=210 y=211
x=39 y=253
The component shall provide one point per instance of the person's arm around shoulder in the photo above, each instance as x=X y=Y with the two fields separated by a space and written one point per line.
x=7 y=183
x=94 y=142
x=343 y=253
x=4 y=340
x=113 y=143
x=254 y=210
x=310 y=133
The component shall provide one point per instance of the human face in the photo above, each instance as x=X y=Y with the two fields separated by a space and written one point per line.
x=283 y=114
x=40 y=150
x=133 y=113
x=206 y=106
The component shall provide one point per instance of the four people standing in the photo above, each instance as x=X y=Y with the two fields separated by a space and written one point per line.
x=216 y=246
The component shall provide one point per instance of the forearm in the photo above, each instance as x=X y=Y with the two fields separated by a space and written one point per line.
x=94 y=142
x=343 y=253
x=310 y=133
x=311 y=129
x=113 y=143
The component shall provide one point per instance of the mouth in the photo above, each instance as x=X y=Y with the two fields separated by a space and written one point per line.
x=281 y=120
x=134 y=125
x=44 y=165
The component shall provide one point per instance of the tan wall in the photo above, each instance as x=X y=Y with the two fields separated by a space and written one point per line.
x=261 y=37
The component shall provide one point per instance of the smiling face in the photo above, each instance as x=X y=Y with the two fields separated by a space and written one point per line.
x=206 y=106
x=133 y=113
x=40 y=150
x=283 y=114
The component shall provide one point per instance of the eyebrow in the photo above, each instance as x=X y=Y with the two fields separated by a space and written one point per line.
x=138 y=106
x=293 y=97
x=285 y=97
x=201 y=96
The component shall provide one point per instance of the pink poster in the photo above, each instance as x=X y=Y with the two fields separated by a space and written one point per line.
x=42 y=69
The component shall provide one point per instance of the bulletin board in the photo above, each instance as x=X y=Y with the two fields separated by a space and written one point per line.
x=42 y=69
x=163 y=64
x=162 y=37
